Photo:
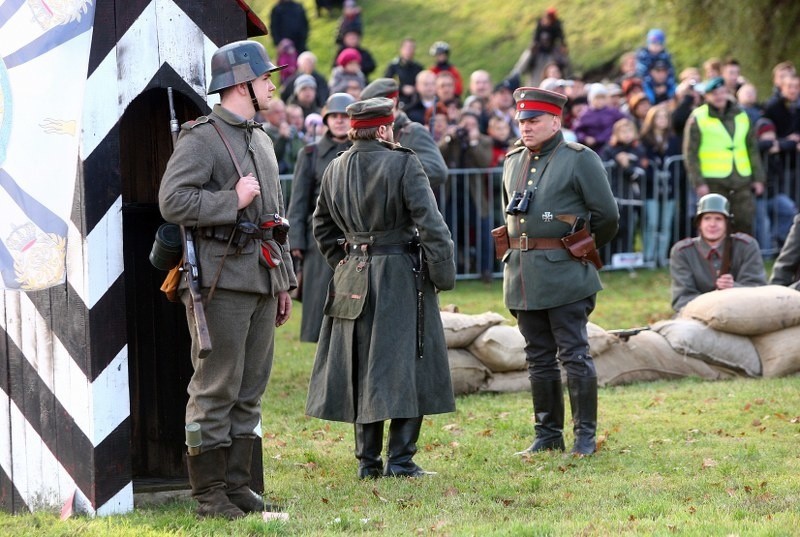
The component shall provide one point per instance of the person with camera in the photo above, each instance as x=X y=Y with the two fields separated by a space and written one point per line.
x=221 y=182
x=382 y=353
x=555 y=191
x=464 y=147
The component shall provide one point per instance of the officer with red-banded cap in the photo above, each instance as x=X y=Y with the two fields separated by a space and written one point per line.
x=382 y=353
x=551 y=189
x=240 y=258
x=409 y=133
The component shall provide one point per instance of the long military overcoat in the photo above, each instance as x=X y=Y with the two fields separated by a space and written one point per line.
x=416 y=137
x=311 y=163
x=366 y=367
x=188 y=197
x=565 y=179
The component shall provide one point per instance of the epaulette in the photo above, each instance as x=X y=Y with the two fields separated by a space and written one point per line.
x=575 y=146
x=515 y=150
x=684 y=243
x=195 y=122
x=309 y=149
x=744 y=237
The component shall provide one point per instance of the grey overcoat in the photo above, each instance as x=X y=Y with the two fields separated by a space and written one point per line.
x=366 y=367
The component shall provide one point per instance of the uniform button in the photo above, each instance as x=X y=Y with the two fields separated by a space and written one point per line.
x=536 y=157
x=521 y=220
x=533 y=170
x=530 y=182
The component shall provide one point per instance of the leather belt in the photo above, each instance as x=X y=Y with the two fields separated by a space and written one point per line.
x=379 y=249
x=525 y=243
x=223 y=233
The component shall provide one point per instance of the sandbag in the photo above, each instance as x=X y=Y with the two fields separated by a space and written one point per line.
x=695 y=339
x=647 y=356
x=746 y=311
x=461 y=329
x=512 y=381
x=779 y=352
x=501 y=348
x=467 y=373
x=599 y=339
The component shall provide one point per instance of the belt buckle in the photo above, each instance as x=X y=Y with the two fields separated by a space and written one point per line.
x=525 y=242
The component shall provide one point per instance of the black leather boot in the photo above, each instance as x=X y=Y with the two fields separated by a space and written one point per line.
x=207 y=477
x=583 y=400
x=369 y=444
x=548 y=409
x=403 y=436
x=240 y=458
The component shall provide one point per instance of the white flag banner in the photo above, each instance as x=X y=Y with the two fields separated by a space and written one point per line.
x=44 y=57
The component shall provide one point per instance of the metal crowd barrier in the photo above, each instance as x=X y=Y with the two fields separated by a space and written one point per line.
x=652 y=218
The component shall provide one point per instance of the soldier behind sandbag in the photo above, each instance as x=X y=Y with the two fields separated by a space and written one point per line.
x=376 y=198
x=717 y=258
x=311 y=163
x=549 y=185
x=240 y=255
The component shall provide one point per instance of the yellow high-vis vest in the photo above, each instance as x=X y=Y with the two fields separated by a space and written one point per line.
x=718 y=152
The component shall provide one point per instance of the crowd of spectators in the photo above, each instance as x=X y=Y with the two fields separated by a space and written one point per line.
x=635 y=120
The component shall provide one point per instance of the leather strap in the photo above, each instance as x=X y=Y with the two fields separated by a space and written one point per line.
x=229 y=148
x=525 y=243
x=381 y=249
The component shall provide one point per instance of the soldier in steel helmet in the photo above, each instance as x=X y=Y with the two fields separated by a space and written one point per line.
x=311 y=163
x=552 y=189
x=717 y=258
x=382 y=353
x=245 y=271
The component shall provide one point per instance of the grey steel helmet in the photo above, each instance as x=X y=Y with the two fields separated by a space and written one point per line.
x=336 y=104
x=713 y=203
x=237 y=62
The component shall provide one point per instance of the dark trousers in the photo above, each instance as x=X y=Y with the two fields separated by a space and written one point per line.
x=558 y=334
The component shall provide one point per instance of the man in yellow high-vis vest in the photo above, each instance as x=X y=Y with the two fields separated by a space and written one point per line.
x=721 y=154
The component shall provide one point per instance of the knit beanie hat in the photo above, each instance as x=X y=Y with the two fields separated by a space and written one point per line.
x=348 y=55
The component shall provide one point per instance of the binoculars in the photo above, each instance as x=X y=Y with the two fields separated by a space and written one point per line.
x=519 y=202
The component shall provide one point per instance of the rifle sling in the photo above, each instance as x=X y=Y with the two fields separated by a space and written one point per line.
x=727 y=255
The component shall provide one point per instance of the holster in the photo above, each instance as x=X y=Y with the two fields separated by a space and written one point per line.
x=581 y=247
x=501 y=243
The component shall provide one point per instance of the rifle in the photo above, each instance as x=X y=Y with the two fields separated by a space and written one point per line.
x=419 y=268
x=190 y=267
x=625 y=333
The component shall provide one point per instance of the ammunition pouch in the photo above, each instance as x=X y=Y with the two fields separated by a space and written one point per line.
x=501 y=243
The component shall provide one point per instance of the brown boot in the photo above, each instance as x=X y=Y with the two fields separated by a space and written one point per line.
x=207 y=477
x=240 y=458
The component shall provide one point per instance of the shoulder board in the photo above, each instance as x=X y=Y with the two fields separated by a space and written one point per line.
x=575 y=146
x=194 y=123
x=743 y=237
x=684 y=243
x=515 y=150
x=309 y=149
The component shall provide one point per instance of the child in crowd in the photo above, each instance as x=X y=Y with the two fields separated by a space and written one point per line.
x=648 y=56
x=348 y=68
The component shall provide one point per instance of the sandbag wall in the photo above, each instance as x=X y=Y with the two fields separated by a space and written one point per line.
x=736 y=332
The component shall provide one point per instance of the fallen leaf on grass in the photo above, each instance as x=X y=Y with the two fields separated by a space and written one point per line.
x=486 y=432
x=709 y=463
x=325 y=500
x=731 y=491
x=692 y=509
x=377 y=495
x=756 y=422
x=452 y=491
x=746 y=407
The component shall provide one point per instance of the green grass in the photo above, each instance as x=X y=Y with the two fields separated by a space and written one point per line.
x=679 y=457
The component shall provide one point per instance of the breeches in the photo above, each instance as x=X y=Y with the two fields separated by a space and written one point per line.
x=226 y=387
x=558 y=334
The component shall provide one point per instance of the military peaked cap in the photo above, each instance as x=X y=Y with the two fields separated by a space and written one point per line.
x=533 y=102
x=381 y=87
x=371 y=113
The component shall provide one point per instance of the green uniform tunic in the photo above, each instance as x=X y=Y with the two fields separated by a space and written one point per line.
x=566 y=179
x=366 y=368
x=416 y=137
x=694 y=266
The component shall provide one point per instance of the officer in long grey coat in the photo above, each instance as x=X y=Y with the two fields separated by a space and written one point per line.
x=311 y=163
x=786 y=270
x=382 y=353
x=203 y=191
x=553 y=188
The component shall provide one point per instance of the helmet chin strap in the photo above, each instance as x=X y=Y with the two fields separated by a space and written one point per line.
x=253 y=97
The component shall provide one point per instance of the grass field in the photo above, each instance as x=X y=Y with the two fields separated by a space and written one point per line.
x=675 y=458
